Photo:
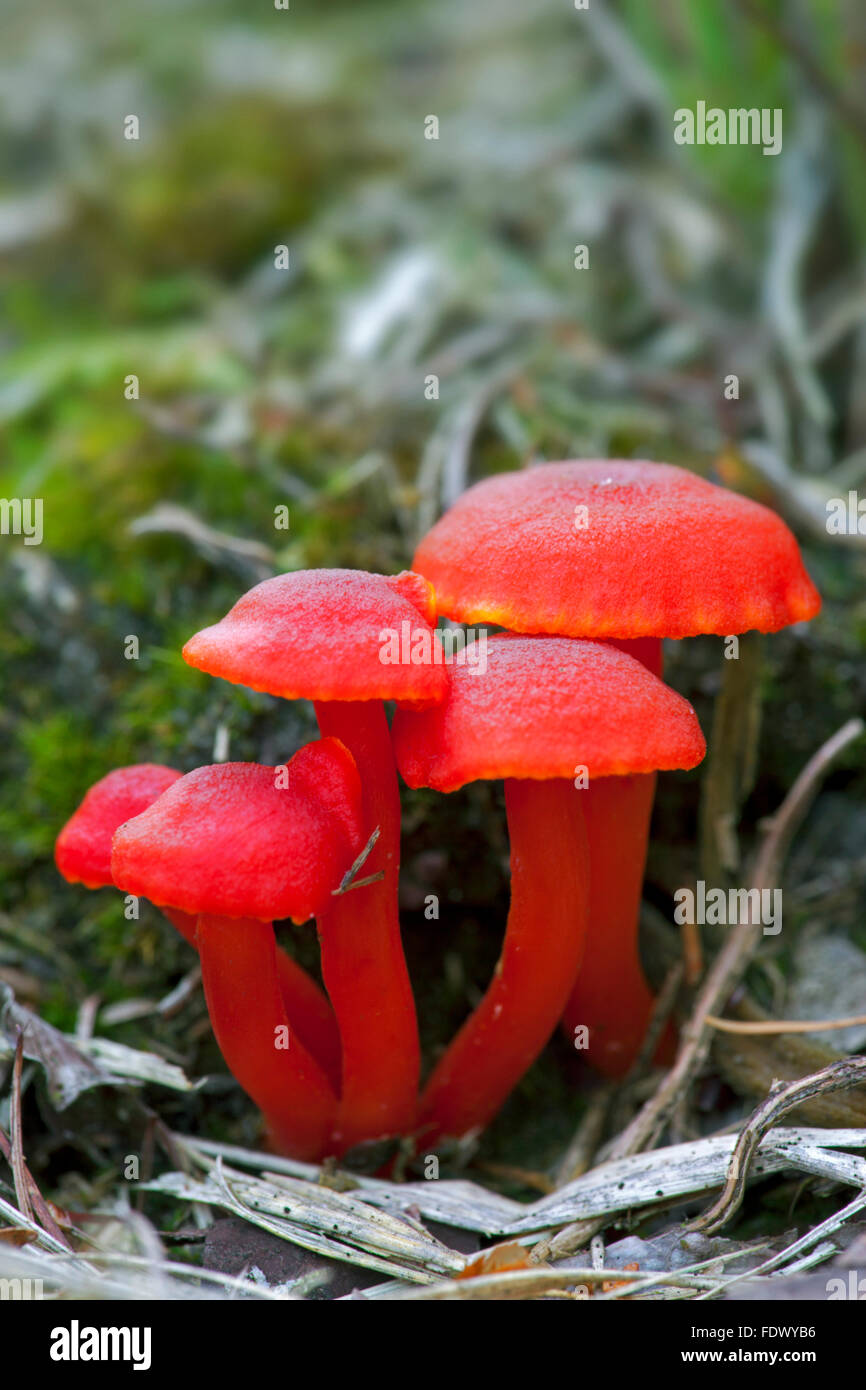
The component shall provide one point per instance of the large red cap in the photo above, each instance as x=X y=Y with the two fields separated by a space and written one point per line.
x=83 y=849
x=244 y=840
x=326 y=635
x=657 y=552
x=543 y=707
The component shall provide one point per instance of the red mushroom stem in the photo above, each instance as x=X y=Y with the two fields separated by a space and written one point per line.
x=363 y=965
x=647 y=650
x=311 y=1015
x=611 y=996
x=242 y=989
x=544 y=941
x=305 y=1003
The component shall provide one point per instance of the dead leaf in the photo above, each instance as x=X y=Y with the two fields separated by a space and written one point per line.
x=14 y=1235
x=68 y=1072
x=496 y=1260
x=609 y=1284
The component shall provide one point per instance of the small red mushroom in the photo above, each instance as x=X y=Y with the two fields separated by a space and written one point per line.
x=83 y=855
x=322 y=635
x=82 y=851
x=237 y=845
x=631 y=552
x=543 y=708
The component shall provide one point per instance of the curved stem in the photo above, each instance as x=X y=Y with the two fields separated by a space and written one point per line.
x=184 y=922
x=241 y=985
x=312 y=1017
x=363 y=965
x=541 y=954
x=305 y=1003
x=611 y=997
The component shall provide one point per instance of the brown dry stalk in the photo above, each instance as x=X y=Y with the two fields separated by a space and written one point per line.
x=31 y=1203
x=19 y=1170
x=587 y=1137
x=784 y=1025
x=851 y=1071
x=349 y=881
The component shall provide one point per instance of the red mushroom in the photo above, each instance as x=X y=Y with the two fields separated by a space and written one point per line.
x=322 y=635
x=83 y=855
x=83 y=849
x=543 y=708
x=238 y=844
x=658 y=552
x=631 y=552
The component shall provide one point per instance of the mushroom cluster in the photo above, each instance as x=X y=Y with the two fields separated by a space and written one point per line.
x=585 y=566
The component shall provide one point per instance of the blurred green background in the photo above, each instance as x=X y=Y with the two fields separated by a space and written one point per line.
x=305 y=387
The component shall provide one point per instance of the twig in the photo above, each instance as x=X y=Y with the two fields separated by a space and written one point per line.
x=348 y=880
x=19 y=1170
x=810 y=1238
x=445 y=461
x=784 y=1025
x=577 y=1158
x=360 y=882
x=216 y=546
x=579 y=1154
x=174 y=1001
x=34 y=1206
x=469 y=418
x=661 y=1011
x=86 y=1018
x=693 y=953
x=838 y=1077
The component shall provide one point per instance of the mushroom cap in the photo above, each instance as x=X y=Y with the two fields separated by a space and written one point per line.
x=664 y=553
x=319 y=635
x=543 y=707
x=245 y=840
x=83 y=849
